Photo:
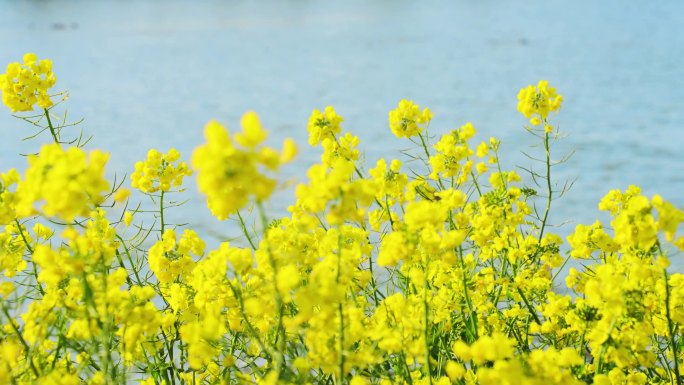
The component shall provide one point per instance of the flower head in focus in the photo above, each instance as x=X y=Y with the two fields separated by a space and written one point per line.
x=25 y=84
x=160 y=171
x=408 y=120
x=323 y=125
x=536 y=102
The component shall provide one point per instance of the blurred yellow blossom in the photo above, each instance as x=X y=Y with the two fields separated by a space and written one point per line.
x=66 y=183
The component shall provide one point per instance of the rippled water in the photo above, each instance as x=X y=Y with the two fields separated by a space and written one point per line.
x=151 y=73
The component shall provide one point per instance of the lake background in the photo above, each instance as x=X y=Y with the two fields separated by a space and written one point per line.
x=149 y=74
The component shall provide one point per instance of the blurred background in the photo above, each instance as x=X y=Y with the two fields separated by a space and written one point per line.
x=150 y=73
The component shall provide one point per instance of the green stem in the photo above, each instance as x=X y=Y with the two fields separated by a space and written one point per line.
x=671 y=328
x=426 y=316
x=602 y=351
x=168 y=342
x=50 y=126
x=129 y=281
x=250 y=327
x=30 y=249
x=280 y=342
x=562 y=266
x=473 y=314
x=23 y=237
x=130 y=259
x=161 y=213
x=548 y=184
x=533 y=312
x=389 y=212
x=341 y=331
x=408 y=370
x=373 y=282
x=244 y=230
x=427 y=153
x=477 y=185
x=340 y=310
x=10 y=320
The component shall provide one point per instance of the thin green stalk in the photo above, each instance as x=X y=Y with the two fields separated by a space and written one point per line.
x=250 y=327
x=477 y=185
x=548 y=184
x=389 y=212
x=23 y=237
x=30 y=249
x=408 y=370
x=373 y=282
x=341 y=331
x=340 y=309
x=169 y=347
x=427 y=153
x=473 y=314
x=10 y=320
x=244 y=230
x=562 y=266
x=671 y=328
x=130 y=259
x=279 y=343
x=426 y=316
x=533 y=312
x=129 y=281
x=50 y=126
x=161 y=213
x=427 y=160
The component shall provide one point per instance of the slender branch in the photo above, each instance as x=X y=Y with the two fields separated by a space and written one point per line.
x=548 y=185
x=671 y=328
x=244 y=230
x=161 y=213
x=52 y=128
x=10 y=319
x=30 y=249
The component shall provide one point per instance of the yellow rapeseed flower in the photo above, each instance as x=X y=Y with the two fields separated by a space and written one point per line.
x=229 y=169
x=323 y=125
x=67 y=183
x=536 y=102
x=158 y=172
x=407 y=120
x=25 y=84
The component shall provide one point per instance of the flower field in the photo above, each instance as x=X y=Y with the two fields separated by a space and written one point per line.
x=437 y=267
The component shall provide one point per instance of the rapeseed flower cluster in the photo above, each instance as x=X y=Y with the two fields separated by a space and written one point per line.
x=231 y=168
x=449 y=277
x=323 y=125
x=8 y=181
x=539 y=100
x=65 y=183
x=536 y=102
x=26 y=84
x=408 y=120
x=160 y=172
